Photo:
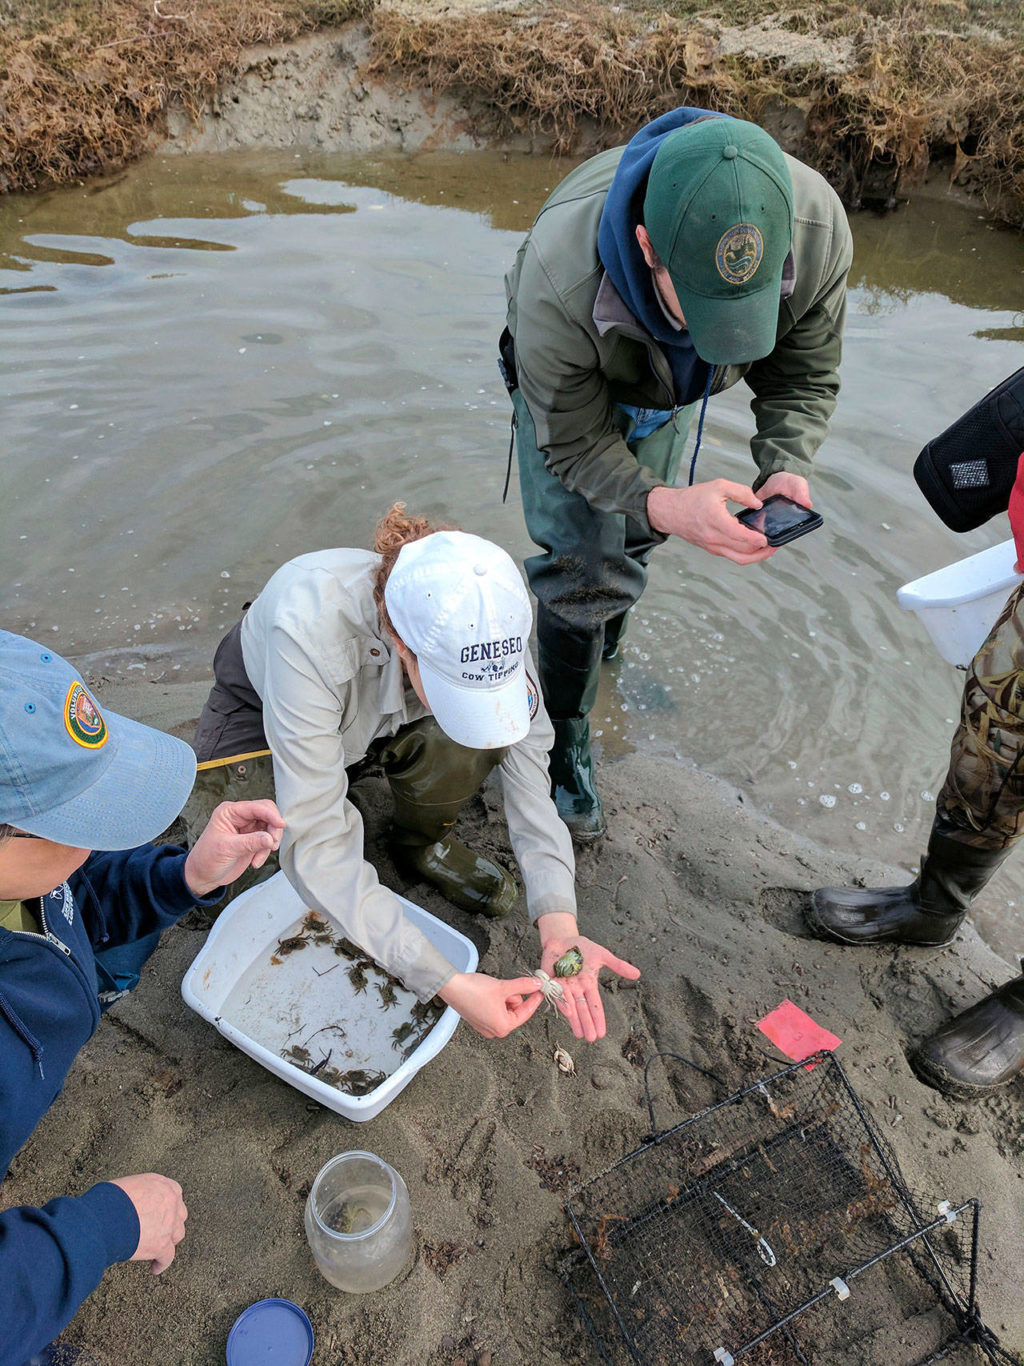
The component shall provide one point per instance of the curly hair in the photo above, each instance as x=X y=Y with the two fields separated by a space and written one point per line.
x=394 y=530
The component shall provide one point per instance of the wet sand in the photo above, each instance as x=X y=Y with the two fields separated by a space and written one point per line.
x=694 y=886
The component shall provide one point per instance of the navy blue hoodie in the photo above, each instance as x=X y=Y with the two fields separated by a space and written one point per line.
x=52 y=1258
x=624 y=261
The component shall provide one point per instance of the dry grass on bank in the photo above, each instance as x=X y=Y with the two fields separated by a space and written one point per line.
x=953 y=16
x=880 y=88
x=83 y=82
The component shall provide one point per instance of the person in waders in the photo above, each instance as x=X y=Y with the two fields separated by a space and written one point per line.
x=82 y=902
x=412 y=656
x=979 y=819
x=655 y=276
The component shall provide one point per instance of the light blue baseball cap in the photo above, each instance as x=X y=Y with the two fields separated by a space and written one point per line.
x=72 y=773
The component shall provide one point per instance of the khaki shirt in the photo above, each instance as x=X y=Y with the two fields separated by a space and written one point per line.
x=330 y=685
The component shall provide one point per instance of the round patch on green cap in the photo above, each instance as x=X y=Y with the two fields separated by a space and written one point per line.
x=739 y=253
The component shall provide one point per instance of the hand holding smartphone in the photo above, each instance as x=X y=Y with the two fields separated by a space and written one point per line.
x=780 y=519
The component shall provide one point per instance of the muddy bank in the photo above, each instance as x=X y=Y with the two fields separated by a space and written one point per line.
x=871 y=105
x=692 y=885
x=317 y=92
x=869 y=95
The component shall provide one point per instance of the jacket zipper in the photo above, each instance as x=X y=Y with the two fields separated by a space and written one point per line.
x=11 y=1015
x=641 y=335
x=47 y=933
x=7 y=1010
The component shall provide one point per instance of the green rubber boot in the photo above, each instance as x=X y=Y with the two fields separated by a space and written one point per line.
x=569 y=673
x=431 y=779
x=572 y=781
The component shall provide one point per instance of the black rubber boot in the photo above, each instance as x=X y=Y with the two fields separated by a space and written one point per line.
x=928 y=912
x=431 y=779
x=979 y=1050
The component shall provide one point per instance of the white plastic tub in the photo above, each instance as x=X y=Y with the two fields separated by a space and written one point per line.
x=958 y=605
x=265 y=999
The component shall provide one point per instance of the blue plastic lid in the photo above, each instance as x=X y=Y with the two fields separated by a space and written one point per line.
x=271 y=1333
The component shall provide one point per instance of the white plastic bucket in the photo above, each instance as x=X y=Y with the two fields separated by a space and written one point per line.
x=243 y=939
x=958 y=605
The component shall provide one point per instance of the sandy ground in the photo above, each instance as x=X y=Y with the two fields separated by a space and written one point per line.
x=312 y=92
x=694 y=886
x=704 y=895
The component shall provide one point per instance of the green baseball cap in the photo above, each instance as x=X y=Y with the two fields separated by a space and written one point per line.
x=719 y=213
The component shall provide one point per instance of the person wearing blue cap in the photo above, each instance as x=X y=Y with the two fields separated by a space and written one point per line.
x=75 y=779
x=654 y=276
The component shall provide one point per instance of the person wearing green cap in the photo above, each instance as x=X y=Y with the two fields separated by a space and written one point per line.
x=655 y=276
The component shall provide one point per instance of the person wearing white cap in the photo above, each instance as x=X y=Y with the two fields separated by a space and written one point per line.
x=414 y=656
x=75 y=779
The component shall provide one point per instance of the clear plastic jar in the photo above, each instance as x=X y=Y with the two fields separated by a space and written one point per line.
x=359 y=1222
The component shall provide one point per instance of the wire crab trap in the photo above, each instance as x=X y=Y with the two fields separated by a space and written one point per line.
x=775 y=1228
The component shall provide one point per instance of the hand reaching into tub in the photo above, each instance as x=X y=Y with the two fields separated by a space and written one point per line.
x=238 y=835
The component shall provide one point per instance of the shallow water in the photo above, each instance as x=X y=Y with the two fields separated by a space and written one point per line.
x=208 y=365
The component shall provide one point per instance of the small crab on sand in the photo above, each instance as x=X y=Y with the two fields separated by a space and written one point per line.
x=563 y=1061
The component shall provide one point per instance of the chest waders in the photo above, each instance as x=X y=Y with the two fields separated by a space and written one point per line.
x=591 y=570
x=978 y=821
x=430 y=776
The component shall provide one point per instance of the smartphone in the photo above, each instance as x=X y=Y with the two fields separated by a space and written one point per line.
x=780 y=519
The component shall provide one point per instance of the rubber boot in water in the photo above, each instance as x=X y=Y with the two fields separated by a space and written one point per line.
x=572 y=781
x=979 y=1050
x=928 y=912
x=431 y=779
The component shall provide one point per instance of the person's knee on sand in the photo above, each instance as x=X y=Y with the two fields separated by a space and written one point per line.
x=415 y=654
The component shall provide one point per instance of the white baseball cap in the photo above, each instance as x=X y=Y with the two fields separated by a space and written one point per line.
x=460 y=605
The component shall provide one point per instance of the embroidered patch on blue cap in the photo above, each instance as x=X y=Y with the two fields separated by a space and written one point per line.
x=83 y=720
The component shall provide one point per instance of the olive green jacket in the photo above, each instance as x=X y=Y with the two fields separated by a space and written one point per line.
x=579 y=351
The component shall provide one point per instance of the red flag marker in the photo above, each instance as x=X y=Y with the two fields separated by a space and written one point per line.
x=794 y=1032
